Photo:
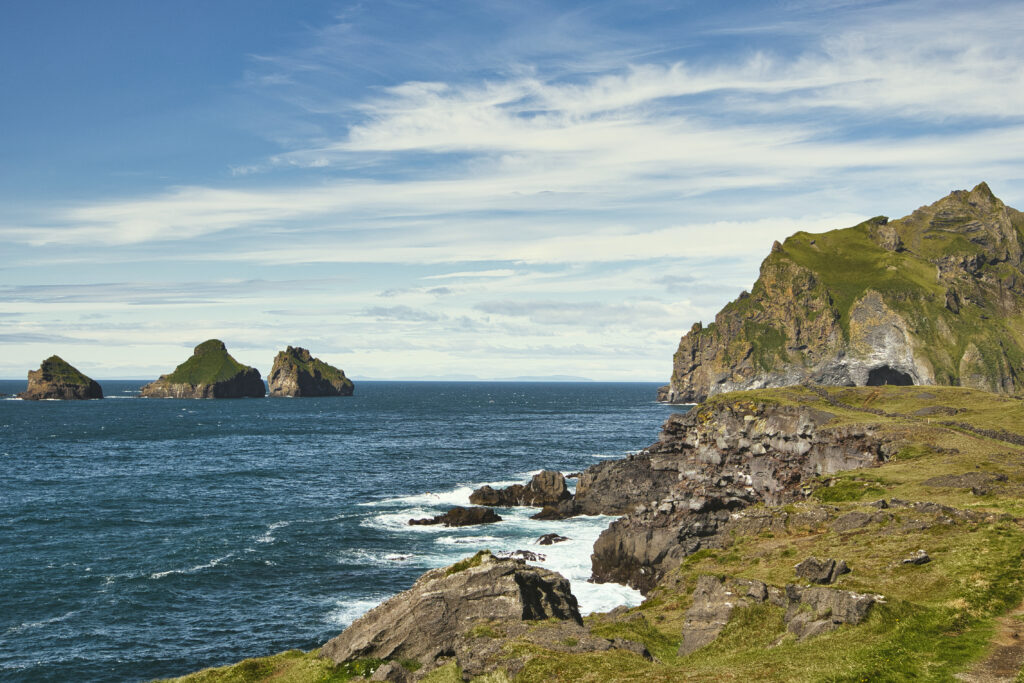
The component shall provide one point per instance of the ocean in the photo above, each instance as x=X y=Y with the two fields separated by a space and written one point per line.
x=152 y=538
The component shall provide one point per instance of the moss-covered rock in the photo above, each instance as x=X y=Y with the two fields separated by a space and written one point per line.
x=58 y=379
x=297 y=373
x=936 y=297
x=211 y=372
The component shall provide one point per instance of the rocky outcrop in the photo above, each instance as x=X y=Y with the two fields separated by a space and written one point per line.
x=547 y=487
x=297 y=373
x=211 y=372
x=436 y=617
x=57 y=379
x=460 y=516
x=821 y=571
x=680 y=495
x=932 y=298
x=810 y=611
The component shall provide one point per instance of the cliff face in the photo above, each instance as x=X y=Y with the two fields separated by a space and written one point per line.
x=211 y=372
x=57 y=379
x=681 y=494
x=936 y=297
x=297 y=373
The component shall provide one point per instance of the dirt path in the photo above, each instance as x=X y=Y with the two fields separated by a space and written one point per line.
x=1007 y=655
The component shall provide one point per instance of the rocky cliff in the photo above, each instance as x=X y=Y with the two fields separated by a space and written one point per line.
x=211 y=372
x=680 y=494
x=297 y=373
x=936 y=297
x=57 y=379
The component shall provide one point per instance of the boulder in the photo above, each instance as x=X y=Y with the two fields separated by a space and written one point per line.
x=211 y=372
x=920 y=557
x=821 y=571
x=551 y=539
x=297 y=373
x=525 y=555
x=58 y=379
x=460 y=516
x=546 y=488
x=814 y=610
x=433 y=618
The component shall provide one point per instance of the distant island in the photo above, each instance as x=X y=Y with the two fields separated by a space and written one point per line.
x=297 y=373
x=58 y=379
x=211 y=372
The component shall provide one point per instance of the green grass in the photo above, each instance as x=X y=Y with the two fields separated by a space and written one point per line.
x=59 y=370
x=314 y=366
x=293 y=666
x=463 y=565
x=209 y=364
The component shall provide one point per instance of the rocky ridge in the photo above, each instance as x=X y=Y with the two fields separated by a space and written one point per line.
x=58 y=379
x=936 y=297
x=297 y=373
x=211 y=372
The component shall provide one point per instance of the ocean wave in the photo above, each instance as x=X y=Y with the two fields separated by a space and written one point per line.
x=466 y=540
x=192 y=570
x=268 y=536
x=28 y=625
x=456 y=496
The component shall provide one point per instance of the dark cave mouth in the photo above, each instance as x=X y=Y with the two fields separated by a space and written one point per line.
x=885 y=375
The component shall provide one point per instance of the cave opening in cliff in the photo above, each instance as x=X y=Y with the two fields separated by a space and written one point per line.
x=886 y=375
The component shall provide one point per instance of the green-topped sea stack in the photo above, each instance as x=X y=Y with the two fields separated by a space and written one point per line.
x=936 y=297
x=58 y=379
x=297 y=373
x=211 y=372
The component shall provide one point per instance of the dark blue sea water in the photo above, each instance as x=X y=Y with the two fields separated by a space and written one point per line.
x=142 y=538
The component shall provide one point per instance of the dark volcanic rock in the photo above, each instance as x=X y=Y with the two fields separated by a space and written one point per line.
x=525 y=555
x=545 y=488
x=681 y=493
x=821 y=571
x=551 y=539
x=211 y=372
x=460 y=516
x=435 y=617
x=57 y=379
x=920 y=557
x=297 y=373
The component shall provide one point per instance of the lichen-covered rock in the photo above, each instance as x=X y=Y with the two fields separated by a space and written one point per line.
x=821 y=571
x=935 y=297
x=211 y=372
x=297 y=373
x=57 y=379
x=546 y=488
x=810 y=611
x=433 y=618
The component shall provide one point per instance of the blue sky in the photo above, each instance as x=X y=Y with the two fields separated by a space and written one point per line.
x=461 y=189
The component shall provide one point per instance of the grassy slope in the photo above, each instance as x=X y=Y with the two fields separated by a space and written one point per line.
x=57 y=369
x=937 y=618
x=210 y=363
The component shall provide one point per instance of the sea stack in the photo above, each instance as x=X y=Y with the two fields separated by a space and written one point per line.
x=57 y=379
x=211 y=372
x=297 y=373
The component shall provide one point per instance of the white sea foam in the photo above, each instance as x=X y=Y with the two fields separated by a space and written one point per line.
x=25 y=626
x=456 y=496
x=345 y=612
x=268 y=536
x=192 y=570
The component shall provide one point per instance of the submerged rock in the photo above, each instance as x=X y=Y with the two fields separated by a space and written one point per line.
x=297 y=373
x=460 y=516
x=57 y=379
x=211 y=372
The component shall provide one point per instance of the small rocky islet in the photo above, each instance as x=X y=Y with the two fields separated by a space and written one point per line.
x=211 y=372
x=56 y=379
x=297 y=373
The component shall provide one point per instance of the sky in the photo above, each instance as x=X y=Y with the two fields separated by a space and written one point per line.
x=461 y=190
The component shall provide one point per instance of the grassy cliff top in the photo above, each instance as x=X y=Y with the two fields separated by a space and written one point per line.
x=56 y=369
x=955 y=488
x=210 y=363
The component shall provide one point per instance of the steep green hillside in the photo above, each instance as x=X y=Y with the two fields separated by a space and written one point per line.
x=210 y=363
x=936 y=297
